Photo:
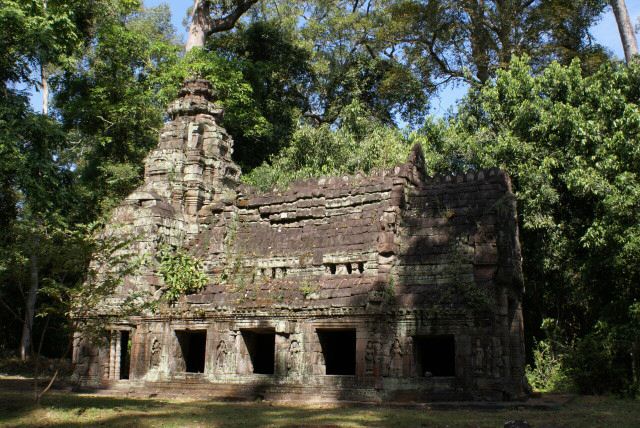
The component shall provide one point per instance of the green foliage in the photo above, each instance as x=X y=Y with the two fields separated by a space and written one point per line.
x=601 y=360
x=181 y=272
x=33 y=219
x=359 y=144
x=570 y=145
x=278 y=72
x=549 y=372
x=348 y=60
x=307 y=288
x=106 y=260
x=14 y=366
x=469 y=40
x=36 y=35
x=243 y=117
x=109 y=106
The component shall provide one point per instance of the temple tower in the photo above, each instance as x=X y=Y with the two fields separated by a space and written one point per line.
x=192 y=165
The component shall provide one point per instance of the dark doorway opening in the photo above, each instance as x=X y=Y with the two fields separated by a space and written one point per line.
x=339 y=351
x=435 y=355
x=193 y=344
x=125 y=354
x=261 y=345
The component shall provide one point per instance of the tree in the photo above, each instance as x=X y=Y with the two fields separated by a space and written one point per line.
x=204 y=25
x=629 y=42
x=46 y=34
x=37 y=163
x=279 y=73
x=393 y=55
x=108 y=102
x=38 y=156
x=113 y=103
x=358 y=145
x=348 y=60
x=469 y=40
x=569 y=143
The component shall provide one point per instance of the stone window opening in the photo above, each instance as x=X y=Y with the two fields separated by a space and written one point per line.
x=434 y=356
x=261 y=346
x=125 y=354
x=193 y=347
x=339 y=351
x=273 y=273
x=120 y=355
x=344 y=268
x=331 y=268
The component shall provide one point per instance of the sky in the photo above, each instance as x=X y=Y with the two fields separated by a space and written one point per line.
x=604 y=33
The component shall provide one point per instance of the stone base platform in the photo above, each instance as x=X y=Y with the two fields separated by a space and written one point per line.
x=304 y=395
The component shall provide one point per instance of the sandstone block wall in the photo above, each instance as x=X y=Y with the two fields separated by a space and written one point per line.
x=392 y=285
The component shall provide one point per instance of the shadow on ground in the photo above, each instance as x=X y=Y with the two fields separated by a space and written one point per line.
x=67 y=409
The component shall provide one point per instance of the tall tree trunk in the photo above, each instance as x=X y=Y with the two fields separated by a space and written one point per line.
x=203 y=25
x=479 y=40
x=199 y=24
x=30 y=304
x=45 y=90
x=629 y=42
x=26 y=341
x=43 y=76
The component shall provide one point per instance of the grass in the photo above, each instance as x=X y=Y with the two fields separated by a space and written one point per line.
x=74 y=410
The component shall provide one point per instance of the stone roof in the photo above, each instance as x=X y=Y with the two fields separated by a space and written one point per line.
x=393 y=237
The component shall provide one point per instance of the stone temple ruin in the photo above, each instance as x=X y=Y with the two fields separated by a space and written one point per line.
x=390 y=286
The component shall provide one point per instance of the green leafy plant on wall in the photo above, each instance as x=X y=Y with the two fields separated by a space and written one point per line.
x=463 y=288
x=389 y=291
x=233 y=258
x=307 y=289
x=181 y=272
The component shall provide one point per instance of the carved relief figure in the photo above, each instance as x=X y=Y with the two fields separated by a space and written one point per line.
x=497 y=358
x=370 y=357
x=293 y=358
x=155 y=353
x=83 y=362
x=178 y=358
x=478 y=358
x=395 y=359
x=221 y=356
x=489 y=360
x=321 y=363
x=408 y=351
x=194 y=135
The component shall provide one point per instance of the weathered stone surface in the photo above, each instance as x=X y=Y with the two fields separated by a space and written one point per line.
x=392 y=285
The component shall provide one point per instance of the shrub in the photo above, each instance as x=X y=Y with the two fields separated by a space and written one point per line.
x=548 y=373
x=182 y=273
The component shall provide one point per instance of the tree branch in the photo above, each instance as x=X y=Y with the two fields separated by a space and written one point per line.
x=10 y=310
x=229 y=21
